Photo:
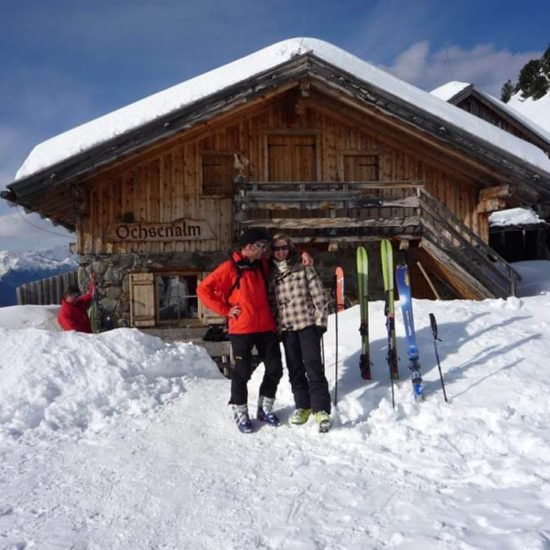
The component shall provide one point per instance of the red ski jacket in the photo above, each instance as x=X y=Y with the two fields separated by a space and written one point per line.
x=74 y=315
x=239 y=282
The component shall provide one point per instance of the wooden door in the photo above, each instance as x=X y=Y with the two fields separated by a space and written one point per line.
x=292 y=158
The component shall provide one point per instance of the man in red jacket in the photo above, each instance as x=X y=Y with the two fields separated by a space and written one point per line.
x=73 y=314
x=237 y=289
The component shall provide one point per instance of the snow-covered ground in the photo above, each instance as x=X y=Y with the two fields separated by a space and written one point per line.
x=537 y=110
x=119 y=441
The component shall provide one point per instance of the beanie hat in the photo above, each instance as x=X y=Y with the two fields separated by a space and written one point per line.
x=253 y=235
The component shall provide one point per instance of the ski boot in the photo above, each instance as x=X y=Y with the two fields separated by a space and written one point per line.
x=240 y=414
x=323 y=420
x=265 y=411
x=300 y=416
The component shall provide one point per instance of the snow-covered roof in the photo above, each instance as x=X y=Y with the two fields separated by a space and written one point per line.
x=514 y=216
x=107 y=127
x=513 y=109
x=447 y=91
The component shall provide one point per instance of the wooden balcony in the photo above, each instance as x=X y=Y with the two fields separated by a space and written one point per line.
x=355 y=212
x=327 y=211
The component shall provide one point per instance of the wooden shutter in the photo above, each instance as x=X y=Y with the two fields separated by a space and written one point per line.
x=142 y=299
x=217 y=174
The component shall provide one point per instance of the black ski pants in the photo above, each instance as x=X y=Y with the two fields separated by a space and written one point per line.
x=269 y=351
x=306 y=370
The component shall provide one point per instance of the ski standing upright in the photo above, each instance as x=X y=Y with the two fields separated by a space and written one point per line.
x=363 y=291
x=389 y=310
x=405 y=298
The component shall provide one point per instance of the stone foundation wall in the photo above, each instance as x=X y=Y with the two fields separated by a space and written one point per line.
x=112 y=273
x=113 y=281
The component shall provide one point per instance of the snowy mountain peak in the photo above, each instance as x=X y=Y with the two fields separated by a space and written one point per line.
x=55 y=259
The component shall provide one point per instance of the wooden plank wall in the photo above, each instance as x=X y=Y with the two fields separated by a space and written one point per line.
x=164 y=184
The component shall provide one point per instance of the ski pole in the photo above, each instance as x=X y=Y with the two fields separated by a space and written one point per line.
x=433 y=324
x=336 y=342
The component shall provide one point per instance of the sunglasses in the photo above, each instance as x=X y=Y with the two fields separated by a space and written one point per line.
x=260 y=244
x=283 y=247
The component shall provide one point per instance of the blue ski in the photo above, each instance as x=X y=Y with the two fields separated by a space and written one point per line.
x=404 y=289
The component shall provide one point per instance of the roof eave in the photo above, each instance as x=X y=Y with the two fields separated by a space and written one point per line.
x=301 y=66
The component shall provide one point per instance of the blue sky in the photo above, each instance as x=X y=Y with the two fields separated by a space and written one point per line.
x=64 y=62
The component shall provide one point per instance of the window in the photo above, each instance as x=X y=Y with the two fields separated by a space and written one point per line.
x=218 y=174
x=177 y=297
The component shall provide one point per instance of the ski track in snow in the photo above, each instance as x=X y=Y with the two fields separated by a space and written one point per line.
x=474 y=473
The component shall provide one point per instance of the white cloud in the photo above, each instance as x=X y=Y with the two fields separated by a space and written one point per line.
x=484 y=66
x=19 y=231
x=12 y=146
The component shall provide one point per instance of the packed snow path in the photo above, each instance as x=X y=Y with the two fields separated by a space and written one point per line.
x=120 y=441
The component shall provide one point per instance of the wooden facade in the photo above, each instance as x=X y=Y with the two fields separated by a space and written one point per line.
x=191 y=178
x=305 y=148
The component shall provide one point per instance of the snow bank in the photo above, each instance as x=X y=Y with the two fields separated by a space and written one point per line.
x=537 y=110
x=18 y=317
x=71 y=382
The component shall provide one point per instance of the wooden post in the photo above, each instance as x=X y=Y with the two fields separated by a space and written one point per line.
x=429 y=281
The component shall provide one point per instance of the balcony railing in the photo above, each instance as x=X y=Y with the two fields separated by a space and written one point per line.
x=362 y=211
x=321 y=211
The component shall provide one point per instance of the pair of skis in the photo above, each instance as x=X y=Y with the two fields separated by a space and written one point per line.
x=404 y=289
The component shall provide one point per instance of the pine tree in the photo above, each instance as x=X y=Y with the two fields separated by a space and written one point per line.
x=506 y=91
x=533 y=80
x=527 y=75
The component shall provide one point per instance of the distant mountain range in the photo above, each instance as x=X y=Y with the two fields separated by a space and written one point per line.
x=18 y=268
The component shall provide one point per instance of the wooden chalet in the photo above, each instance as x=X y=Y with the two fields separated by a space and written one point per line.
x=300 y=137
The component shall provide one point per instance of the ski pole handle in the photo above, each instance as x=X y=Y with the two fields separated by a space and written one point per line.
x=433 y=324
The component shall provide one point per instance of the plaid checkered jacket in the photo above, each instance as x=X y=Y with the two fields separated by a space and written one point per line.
x=297 y=298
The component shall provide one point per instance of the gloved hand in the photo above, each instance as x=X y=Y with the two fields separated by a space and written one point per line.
x=320 y=330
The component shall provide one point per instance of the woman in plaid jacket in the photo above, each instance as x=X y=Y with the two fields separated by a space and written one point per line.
x=299 y=305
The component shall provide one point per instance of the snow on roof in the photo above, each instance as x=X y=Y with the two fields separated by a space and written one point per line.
x=538 y=111
x=446 y=92
x=109 y=126
x=514 y=216
x=515 y=113
x=449 y=90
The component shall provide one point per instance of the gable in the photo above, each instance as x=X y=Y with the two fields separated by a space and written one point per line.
x=252 y=79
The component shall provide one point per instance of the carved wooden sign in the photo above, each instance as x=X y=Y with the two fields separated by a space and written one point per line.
x=178 y=230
